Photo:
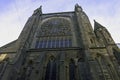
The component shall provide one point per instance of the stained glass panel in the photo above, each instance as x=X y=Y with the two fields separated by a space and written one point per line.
x=54 y=43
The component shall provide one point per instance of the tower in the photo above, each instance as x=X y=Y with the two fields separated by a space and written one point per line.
x=61 y=46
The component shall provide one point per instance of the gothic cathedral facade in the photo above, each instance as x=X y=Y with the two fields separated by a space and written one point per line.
x=61 y=46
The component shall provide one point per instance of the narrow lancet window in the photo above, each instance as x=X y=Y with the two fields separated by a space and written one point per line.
x=51 y=70
x=72 y=70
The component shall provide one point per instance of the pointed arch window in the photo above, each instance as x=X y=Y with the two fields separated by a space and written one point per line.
x=54 y=33
x=51 y=70
x=72 y=70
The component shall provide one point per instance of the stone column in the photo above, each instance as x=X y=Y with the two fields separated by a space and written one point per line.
x=62 y=75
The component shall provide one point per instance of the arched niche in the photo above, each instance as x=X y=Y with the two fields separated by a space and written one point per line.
x=72 y=70
x=50 y=73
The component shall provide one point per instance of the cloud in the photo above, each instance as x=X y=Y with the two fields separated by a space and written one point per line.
x=107 y=14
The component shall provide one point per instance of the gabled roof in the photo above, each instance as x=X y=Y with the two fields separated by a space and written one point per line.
x=10 y=47
x=97 y=25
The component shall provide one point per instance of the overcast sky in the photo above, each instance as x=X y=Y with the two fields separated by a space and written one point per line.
x=14 y=14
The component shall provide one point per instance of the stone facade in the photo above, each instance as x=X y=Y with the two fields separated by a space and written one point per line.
x=61 y=46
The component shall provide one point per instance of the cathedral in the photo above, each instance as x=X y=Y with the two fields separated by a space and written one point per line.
x=61 y=46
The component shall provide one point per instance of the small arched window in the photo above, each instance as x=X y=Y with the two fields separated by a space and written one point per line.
x=91 y=40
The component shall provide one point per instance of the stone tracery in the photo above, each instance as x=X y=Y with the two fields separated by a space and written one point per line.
x=55 y=27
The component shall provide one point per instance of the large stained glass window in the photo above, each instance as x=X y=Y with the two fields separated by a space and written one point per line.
x=55 y=27
x=54 y=43
x=51 y=71
x=54 y=33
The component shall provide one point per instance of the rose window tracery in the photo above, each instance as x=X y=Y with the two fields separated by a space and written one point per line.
x=54 y=33
x=55 y=27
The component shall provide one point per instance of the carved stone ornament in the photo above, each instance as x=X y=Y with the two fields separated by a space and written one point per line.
x=55 y=27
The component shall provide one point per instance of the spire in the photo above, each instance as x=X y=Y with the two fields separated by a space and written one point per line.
x=97 y=25
x=78 y=8
x=38 y=10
